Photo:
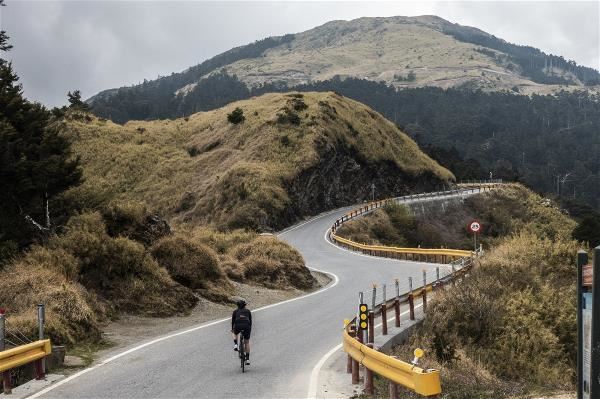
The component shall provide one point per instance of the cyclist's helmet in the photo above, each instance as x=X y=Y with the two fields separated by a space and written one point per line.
x=241 y=303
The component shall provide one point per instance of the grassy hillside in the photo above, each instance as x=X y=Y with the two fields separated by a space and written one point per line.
x=293 y=155
x=508 y=329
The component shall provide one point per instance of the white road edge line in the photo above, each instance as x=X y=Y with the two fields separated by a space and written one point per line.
x=314 y=375
x=157 y=340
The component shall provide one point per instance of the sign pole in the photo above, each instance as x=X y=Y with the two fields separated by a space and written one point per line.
x=595 y=348
x=582 y=259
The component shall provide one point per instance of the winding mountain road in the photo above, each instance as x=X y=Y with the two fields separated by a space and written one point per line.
x=288 y=338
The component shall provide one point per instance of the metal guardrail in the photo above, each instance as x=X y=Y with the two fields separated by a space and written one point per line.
x=24 y=354
x=437 y=255
x=20 y=355
x=425 y=382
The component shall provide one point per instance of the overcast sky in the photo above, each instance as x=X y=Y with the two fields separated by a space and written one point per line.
x=96 y=45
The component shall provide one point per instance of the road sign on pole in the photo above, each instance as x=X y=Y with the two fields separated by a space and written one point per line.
x=475 y=227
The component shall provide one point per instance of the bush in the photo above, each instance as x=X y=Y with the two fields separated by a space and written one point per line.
x=132 y=220
x=236 y=116
x=119 y=270
x=273 y=263
x=72 y=314
x=288 y=117
x=188 y=262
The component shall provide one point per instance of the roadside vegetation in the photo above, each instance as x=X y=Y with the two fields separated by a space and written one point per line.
x=508 y=329
x=501 y=212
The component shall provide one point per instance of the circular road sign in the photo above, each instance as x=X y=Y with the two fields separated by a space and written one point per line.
x=474 y=226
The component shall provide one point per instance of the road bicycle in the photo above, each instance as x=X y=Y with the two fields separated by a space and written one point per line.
x=242 y=352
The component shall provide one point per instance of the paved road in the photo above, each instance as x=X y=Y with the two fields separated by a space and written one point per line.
x=288 y=338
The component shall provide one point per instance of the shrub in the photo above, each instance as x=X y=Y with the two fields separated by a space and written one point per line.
x=72 y=314
x=236 y=116
x=188 y=262
x=132 y=220
x=119 y=270
x=273 y=263
x=288 y=117
x=232 y=267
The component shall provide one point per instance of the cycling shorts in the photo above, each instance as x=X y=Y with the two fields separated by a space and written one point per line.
x=245 y=330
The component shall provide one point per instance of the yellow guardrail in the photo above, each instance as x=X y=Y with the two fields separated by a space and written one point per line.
x=458 y=253
x=435 y=252
x=21 y=355
x=421 y=381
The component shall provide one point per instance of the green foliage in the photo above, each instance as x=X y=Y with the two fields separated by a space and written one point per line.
x=236 y=116
x=410 y=77
x=588 y=230
x=36 y=165
x=76 y=102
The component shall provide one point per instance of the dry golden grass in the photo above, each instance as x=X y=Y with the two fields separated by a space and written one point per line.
x=273 y=263
x=378 y=49
x=193 y=265
x=205 y=169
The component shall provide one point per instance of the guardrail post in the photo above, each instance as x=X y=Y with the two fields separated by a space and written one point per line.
x=6 y=384
x=437 y=276
x=411 y=299
x=369 y=388
x=371 y=332
x=355 y=375
x=40 y=363
x=424 y=291
x=352 y=333
x=384 y=329
x=393 y=390
x=397 y=304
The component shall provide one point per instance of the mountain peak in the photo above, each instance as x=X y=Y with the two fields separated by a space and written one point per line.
x=400 y=51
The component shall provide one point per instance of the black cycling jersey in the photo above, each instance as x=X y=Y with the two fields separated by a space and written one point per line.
x=241 y=318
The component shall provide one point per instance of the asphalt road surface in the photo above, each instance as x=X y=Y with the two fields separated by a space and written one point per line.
x=288 y=339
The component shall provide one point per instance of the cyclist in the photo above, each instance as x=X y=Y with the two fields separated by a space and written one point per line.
x=241 y=323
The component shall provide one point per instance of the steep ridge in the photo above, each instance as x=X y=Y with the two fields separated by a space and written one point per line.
x=292 y=155
x=399 y=51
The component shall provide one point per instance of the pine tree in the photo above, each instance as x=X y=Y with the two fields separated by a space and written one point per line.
x=76 y=102
x=35 y=163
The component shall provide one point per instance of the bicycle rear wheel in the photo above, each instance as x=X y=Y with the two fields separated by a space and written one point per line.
x=242 y=351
